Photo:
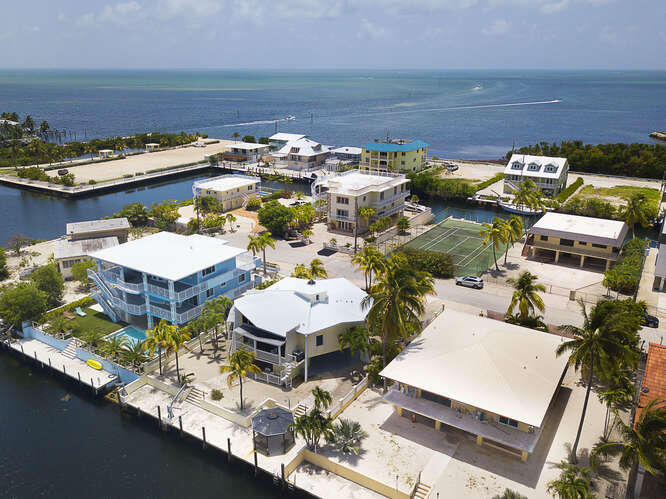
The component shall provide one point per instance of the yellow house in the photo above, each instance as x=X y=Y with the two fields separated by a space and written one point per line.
x=559 y=237
x=232 y=191
x=483 y=377
x=394 y=155
x=294 y=324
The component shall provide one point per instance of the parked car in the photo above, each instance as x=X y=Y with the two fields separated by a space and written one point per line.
x=452 y=167
x=650 y=320
x=471 y=281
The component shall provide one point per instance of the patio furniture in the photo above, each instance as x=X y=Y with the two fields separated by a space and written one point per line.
x=68 y=315
x=272 y=426
x=80 y=312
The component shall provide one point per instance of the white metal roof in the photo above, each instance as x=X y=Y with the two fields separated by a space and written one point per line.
x=304 y=147
x=226 y=182
x=587 y=229
x=282 y=136
x=358 y=182
x=535 y=166
x=247 y=146
x=65 y=248
x=97 y=225
x=168 y=255
x=347 y=150
x=291 y=304
x=498 y=367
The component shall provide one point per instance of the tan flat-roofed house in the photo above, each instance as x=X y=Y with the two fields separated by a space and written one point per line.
x=68 y=252
x=91 y=229
x=232 y=191
x=493 y=380
x=580 y=240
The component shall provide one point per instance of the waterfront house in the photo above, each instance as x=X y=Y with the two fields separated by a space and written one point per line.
x=549 y=174
x=303 y=154
x=91 y=229
x=351 y=154
x=105 y=153
x=346 y=193
x=578 y=240
x=279 y=140
x=168 y=276
x=294 y=324
x=394 y=155
x=232 y=191
x=489 y=379
x=660 y=265
x=245 y=152
x=67 y=252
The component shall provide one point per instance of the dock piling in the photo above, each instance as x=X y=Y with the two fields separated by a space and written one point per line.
x=64 y=371
x=180 y=423
x=203 y=431
x=50 y=362
x=228 y=450
x=282 y=473
x=79 y=375
x=255 y=463
x=159 y=416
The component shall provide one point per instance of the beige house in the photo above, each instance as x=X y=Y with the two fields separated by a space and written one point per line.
x=574 y=239
x=294 y=323
x=245 y=152
x=91 y=229
x=486 y=378
x=343 y=195
x=67 y=252
x=232 y=191
x=303 y=154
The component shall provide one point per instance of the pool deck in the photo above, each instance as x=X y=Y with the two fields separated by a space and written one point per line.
x=74 y=368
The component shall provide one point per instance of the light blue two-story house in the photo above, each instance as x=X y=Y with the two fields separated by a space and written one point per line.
x=169 y=276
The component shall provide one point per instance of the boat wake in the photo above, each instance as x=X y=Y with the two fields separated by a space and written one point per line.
x=261 y=122
x=479 y=106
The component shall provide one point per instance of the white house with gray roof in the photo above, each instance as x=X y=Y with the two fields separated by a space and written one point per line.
x=294 y=321
x=549 y=174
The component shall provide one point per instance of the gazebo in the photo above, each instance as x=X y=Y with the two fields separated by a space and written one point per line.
x=152 y=146
x=105 y=153
x=271 y=430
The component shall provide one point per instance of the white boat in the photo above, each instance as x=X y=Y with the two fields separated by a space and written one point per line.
x=518 y=210
x=478 y=87
x=291 y=117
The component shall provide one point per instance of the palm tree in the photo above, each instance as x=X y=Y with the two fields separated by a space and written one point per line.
x=527 y=194
x=312 y=427
x=306 y=233
x=157 y=339
x=619 y=392
x=514 y=233
x=598 y=345
x=177 y=339
x=241 y=363
x=134 y=354
x=94 y=337
x=396 y=300
x=301 y=272
x=347 y=436
x=322 y=398
x=643 y=443
x=494 y=234
x=265 y=241
x=235 y=135
x=526 y=295
x=635 y=212
x=509 y=494
x=253 y=244
x=370 y=260
x=366 y=213
x=356 y=338
x=317 y=269
x=230 y=220
x=573 y=482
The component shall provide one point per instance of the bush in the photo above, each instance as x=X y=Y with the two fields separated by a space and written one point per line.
x=48 y=279
x=590 y=208
x=489 y=182
x=86 y=301
x=4 y=271
x=253 y=204
x=92 y=181
x=436 y=263
x=275 y=217
x=625 y=276
x=249 y=138
x=136 y=214
x=23 y=302
x=266 y=284
x=568 y=191
x=216 y=394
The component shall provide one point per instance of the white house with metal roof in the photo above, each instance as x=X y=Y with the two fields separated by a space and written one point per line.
x=294 y=321
x=303 y=154
x=232 y=191
x=169 y=276
x=280 y=139
x=579 y=240
x=493 y=380
x=90 y=229
x=549 y=174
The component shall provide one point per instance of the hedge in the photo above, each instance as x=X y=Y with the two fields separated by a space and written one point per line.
x=83 y=302
x=436 y=263
x=489 y=182
x=625 y=276
x=568 y=191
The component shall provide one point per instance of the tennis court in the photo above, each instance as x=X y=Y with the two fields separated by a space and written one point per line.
x=462 y=241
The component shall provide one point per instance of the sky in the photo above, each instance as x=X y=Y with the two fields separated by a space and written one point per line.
x=309 y=34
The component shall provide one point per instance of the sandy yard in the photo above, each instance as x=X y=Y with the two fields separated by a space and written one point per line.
x=142 y=162
x=322 y=483
x=473 y=171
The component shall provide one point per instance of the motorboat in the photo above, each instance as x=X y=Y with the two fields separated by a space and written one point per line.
x=291 y=117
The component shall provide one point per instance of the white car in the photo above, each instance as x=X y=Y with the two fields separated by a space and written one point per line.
x=471 y=281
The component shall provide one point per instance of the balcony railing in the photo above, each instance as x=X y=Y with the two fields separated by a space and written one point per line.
x=271 y=358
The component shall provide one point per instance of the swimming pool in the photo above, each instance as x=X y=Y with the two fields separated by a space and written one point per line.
x=132 y=334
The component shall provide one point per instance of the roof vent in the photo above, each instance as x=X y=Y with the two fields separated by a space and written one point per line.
x=311 y=282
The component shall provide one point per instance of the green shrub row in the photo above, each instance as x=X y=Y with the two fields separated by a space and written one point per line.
x=568 y=191
x=625 y=276
x=489 y=182
x=436 y=263
x=86 y=301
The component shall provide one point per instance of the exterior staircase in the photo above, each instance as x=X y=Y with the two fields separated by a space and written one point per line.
x=195 y=396
x=422 y=491
x=70 y=350
x=301 y=410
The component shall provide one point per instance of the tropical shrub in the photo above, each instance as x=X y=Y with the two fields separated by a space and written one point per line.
x=346 y=436
x=216 y=394
x=275 y=217
x=569 y=190
x=435 y=263
x=253 y=204
x=625 y=276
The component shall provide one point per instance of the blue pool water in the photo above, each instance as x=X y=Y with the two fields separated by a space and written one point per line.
x=132 y=334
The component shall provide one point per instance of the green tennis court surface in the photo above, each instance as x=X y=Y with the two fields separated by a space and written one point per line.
x=462 y=241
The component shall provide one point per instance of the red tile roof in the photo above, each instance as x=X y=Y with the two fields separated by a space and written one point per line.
x=654 y=379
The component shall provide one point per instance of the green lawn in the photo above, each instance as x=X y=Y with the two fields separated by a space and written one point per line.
x=94 y=321
x=624 y=192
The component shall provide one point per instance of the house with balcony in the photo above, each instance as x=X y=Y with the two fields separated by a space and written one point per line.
x=344 y=194
x=244 y=152
x=549 y=174
x=93 y=229
x=67 y=252
x=232 y=191
x=303 y=154
x=294 y=324
x=572 y=239
x=492 y=380
x=169 y=276
x=394 y=155
x=280 y=139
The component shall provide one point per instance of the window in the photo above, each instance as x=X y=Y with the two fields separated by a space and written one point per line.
x=543 y=238
x=249 y=187
x=403 y=153
x=551 y=168
x=516 y=166
x=508 y=421
x=319 y=340
x=436 y=398
x=342 y=213
x=342 y=200
x=395 y=190
x=402 y=162
x=566 y=242
x=208 y=270
x=210 y=292
x=602 y=246
x=241 y=278
x=381 y=195
x=582 y=243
